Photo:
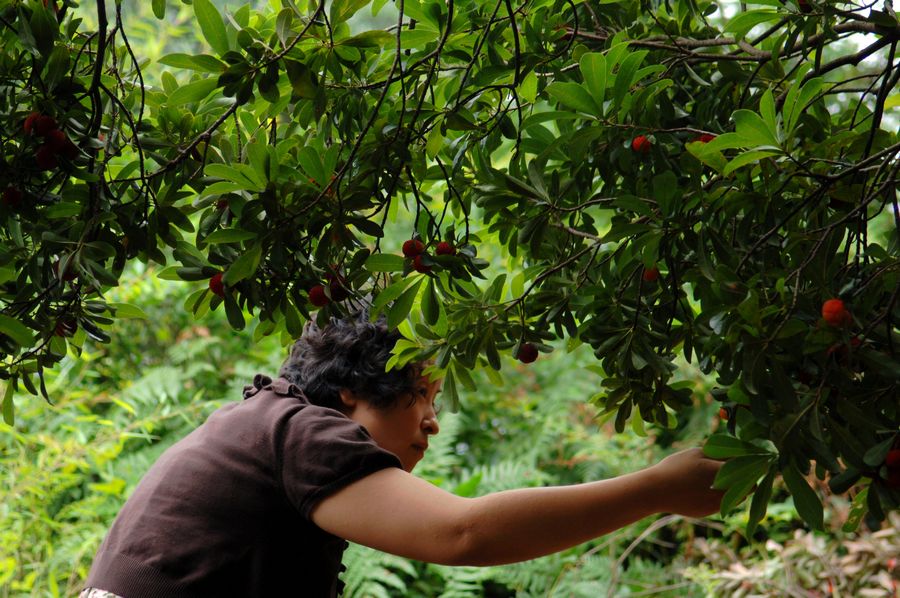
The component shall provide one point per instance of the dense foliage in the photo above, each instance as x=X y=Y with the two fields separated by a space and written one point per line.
x=651 y=179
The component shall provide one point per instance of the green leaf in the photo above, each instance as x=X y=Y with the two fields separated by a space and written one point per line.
x=384 y=262
x=192 y=92
x=745 y=21
x=738 y=476
x=8 y=408
x=16 y=330
x=625 y=77
x=574 y=96
x=212 y=25
x=229 y=235
x=159 y=9
x=127 y=310
x=725 y=446
x=753 y=130
x=402 y=306
x=234 y=313
x=593 y=69
x=200 y=62
x=805 y=499
x=431 y=307
x=760 y=502
x=244 y=266
x=858 y=509
x=798 y=97
x=876 y=455
x=748 y=157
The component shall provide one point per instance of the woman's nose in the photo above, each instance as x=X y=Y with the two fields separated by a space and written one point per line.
x=430 y=424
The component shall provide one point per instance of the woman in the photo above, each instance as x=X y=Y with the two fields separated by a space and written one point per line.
x=261 y=498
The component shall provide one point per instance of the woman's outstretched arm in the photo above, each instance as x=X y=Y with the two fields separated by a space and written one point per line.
x=395 y=512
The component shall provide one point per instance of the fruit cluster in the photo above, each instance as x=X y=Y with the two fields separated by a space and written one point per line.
x=337 y=290
x=414 y=249
x=55 y=141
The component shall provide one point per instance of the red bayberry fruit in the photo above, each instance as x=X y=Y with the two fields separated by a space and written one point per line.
x=804 y=5
x=216 y=285
x=413 y=247
x=445 y=248
x=835 y=313
x=12 y=197
x=527 y=353
x=641 y=144
x=893 y=459
x=419 y=265
x=723 y=413
x=28 y=127
x=704 y=138
x=45 y=157
x=650 y=274
x=337 y=286
x=43 y=124
x=318 y=297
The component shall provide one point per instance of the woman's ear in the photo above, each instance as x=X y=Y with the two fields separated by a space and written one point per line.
x=348 y=400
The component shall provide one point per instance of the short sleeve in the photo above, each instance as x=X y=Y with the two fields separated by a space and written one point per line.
x=323 y=451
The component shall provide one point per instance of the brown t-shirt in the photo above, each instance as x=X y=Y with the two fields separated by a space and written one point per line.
x=225 y=511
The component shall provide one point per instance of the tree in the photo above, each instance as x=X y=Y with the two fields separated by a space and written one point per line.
x=653 y=179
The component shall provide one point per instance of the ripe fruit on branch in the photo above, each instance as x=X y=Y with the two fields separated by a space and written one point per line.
x=892 y=463
x=61 y=144
x=39 y=124
x=216 y=285
x=723 y=414
x=45 y=157
x=337 y=286
x=641 y=144
x=413 y=247
x=445 y=248
x=704 y=138
x=804 y=5
x=318 y=297
x=835 y=313
x=419 y=265
x=650 y=274
x=12 y=197
x=527 y=353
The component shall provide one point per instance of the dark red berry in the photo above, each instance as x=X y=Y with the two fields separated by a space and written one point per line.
x=413 y=247
x=28 y=127
x=641 y=144
x=318 y=297
x=45 y=158
x=12 y=197
x=43 y=124
x=650 y=274
x=419 y=264
x=527 y=353
x=216 y=285
x=445 y=248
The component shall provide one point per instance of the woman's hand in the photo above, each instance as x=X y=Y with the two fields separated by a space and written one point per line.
x=684 y=483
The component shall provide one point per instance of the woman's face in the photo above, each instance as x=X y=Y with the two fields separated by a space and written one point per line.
x=403 y=429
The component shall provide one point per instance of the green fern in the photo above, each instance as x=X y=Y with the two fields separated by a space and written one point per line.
x=374 y=574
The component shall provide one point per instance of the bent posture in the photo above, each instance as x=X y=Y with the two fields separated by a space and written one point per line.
x=261 y=498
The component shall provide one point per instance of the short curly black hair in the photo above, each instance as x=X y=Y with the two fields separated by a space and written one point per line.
x=349 y=353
